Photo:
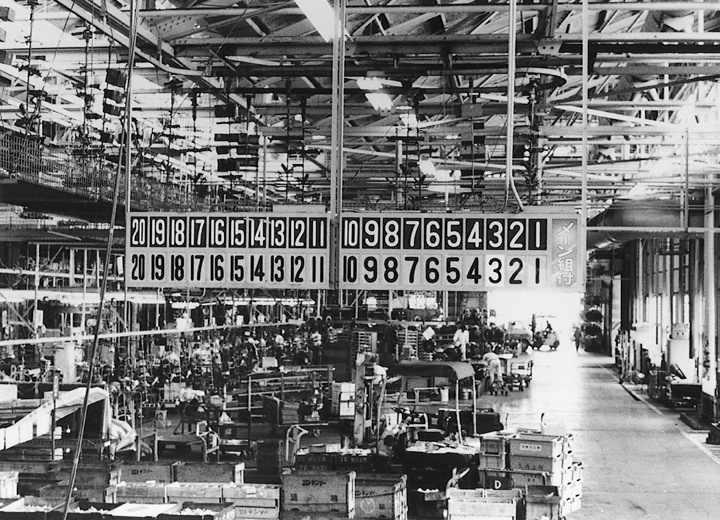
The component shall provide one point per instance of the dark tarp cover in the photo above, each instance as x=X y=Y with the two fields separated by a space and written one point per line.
x=453 y=370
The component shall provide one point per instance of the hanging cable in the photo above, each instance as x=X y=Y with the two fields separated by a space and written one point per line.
x=108 y=253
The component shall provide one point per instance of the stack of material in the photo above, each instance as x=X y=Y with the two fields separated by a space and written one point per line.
x=324 y=494
x=539 y=461
x=256 y=501
x=476 y=504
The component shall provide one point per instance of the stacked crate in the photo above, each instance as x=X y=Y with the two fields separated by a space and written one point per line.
x=269 y=457
x=550 y=456
x=254 y=501
x=408 y=341
x=320 y=493
x=364 y=341
x=539 y=454
x=493 y=450
x=475 y=504
x=342 y=403
x=379 y=496
x=317 y=457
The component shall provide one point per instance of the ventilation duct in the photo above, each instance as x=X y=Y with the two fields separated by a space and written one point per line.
x=651 y=214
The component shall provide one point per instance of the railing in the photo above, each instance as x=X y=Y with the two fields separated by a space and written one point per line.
x=27 y=159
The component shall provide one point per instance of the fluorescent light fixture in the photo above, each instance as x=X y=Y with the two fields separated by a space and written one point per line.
x=409 y=120
x=321 y=15
x=371 y=83
x=427 y=167
x=380 y=101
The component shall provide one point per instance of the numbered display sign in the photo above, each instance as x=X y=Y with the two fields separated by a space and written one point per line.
x=450 y=252
x=232 y=250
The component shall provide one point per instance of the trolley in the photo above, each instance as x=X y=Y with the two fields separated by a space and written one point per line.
x=522 y=370
x=502 y=387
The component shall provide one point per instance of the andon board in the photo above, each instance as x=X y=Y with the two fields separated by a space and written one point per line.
x=232 y=250
x=450 y=252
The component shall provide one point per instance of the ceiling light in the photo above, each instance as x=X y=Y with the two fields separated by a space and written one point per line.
x=369 y=83
x=380 y=101
x=321 y=15
x=409 y=120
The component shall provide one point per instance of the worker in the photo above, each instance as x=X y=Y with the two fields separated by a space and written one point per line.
x=494 y=368
x=461 y=339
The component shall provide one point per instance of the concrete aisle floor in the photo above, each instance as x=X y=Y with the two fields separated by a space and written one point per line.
x=639 y=461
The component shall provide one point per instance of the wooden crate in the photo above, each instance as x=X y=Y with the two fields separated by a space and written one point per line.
x=381 y=496
x=202 y=511
x=28 y=466
x=530 y=445
x=143 y=511
x=543 y=502
x=29 y=508
x=147 y=471
x=492 y=461
x=100 y=494
x=481 y=503
x=210 y=472
x=82 y=510
x=545 y=464
x=207 y=492
x=495 y=442
x=319 y=491
x=298 y=515
x=142 y=492
x=252 y=495
x=92 y=475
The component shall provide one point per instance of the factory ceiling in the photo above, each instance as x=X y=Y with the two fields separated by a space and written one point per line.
x=234 y=100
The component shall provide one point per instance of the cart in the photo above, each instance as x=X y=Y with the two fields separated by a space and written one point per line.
x=522 y=370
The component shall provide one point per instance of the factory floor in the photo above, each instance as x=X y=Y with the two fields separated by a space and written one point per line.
x=639 y=459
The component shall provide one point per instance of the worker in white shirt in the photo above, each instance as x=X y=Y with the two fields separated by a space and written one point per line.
x=461 y=339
